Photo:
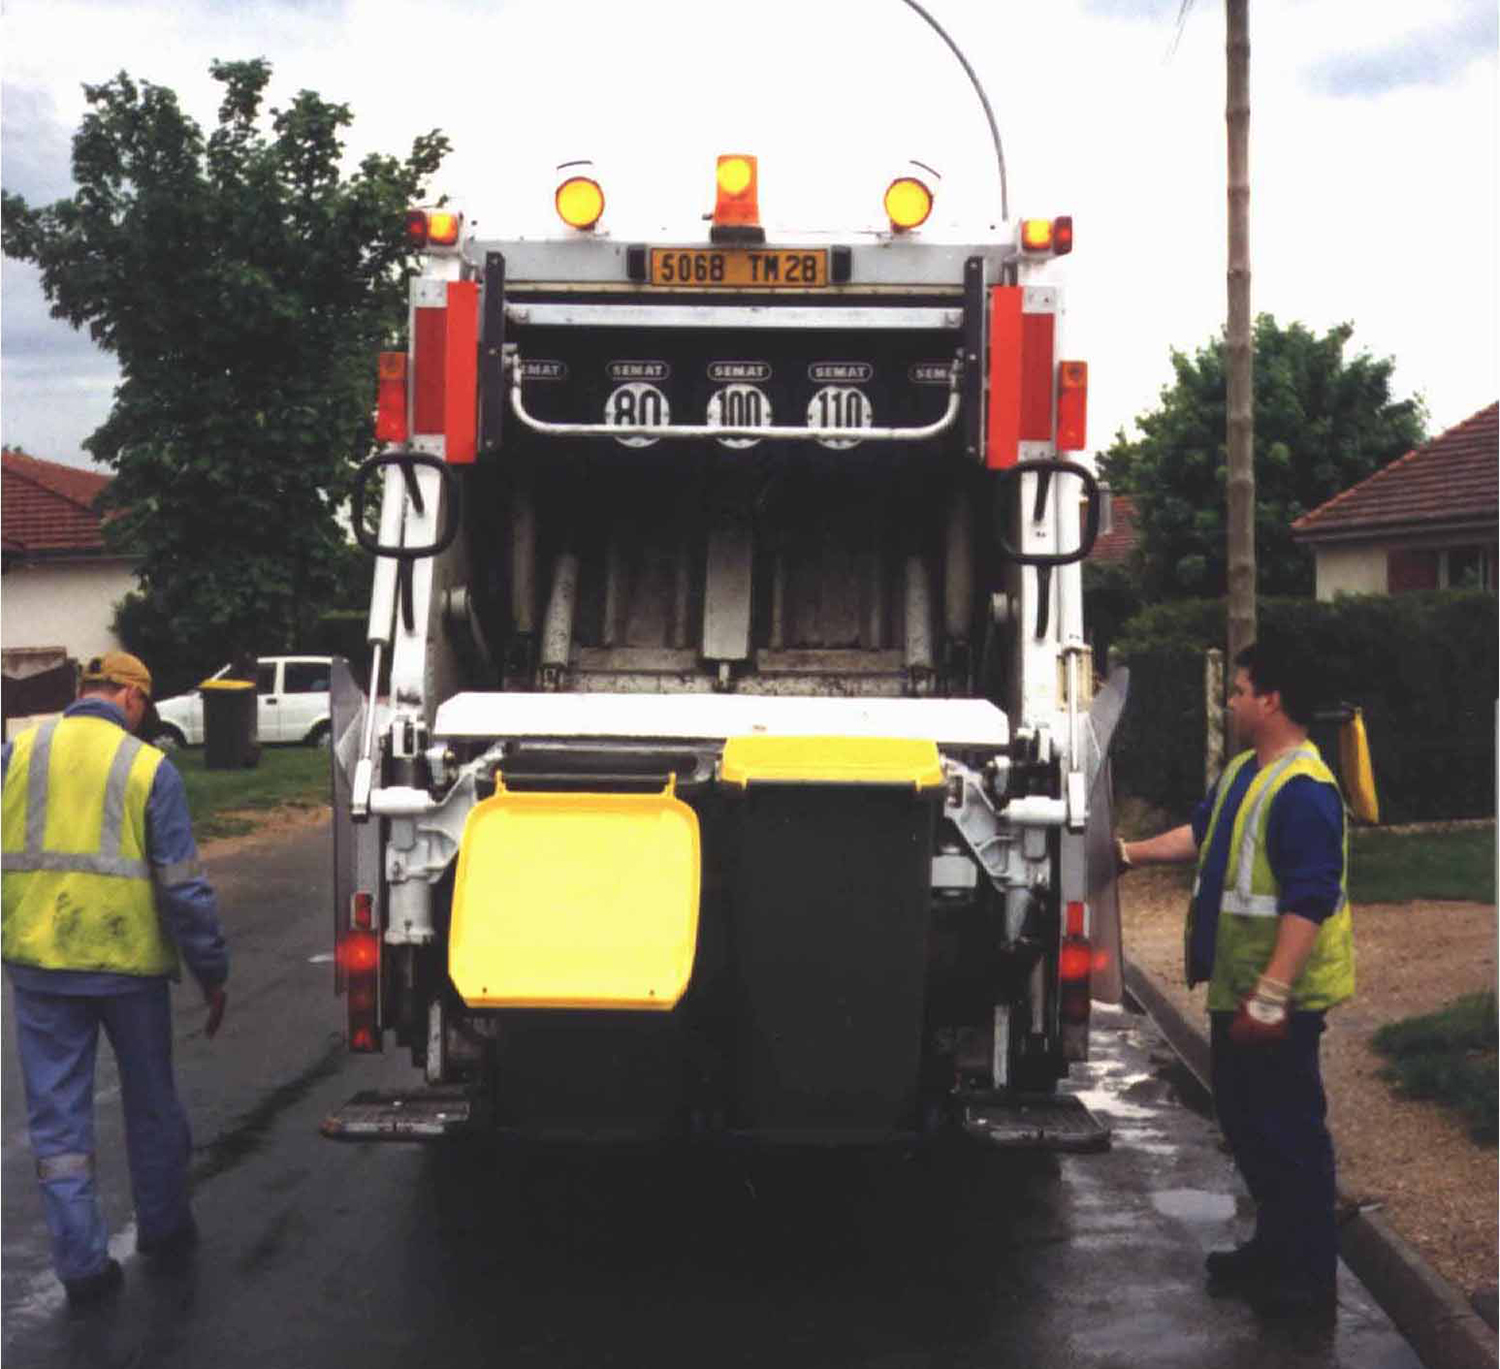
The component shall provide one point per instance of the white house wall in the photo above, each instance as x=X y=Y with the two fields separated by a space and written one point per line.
x=69 y=605
x=1350 y=570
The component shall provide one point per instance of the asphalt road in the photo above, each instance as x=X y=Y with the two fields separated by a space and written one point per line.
x=318 y=1254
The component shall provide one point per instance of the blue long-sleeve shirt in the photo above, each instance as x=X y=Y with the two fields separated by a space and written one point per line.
x=1304 y=844
x=185 y=900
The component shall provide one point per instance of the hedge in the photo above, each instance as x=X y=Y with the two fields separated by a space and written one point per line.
x=1422 y=667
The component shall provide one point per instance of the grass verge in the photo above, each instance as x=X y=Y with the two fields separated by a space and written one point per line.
x=219 y=800
x=1397 y=867
x=1449 y=1057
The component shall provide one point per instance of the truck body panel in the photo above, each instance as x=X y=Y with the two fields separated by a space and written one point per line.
x=744 y=775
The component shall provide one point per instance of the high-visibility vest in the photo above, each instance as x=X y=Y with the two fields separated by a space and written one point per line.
x=1250 y=905
x=78 y=890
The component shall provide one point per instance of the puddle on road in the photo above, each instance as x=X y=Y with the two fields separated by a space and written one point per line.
x=42 y=1297
x=1194 y=1205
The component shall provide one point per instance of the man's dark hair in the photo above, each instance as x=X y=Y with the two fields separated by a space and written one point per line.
x=1286 y=670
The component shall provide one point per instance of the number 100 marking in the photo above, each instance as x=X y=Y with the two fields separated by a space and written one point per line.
x=739 y=406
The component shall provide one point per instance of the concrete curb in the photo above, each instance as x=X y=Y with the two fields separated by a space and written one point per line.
x=1435 y=1318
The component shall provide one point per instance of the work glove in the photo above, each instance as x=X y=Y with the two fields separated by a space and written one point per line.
x=1262 y=1018
x=1122 y=861
x=217 y=1000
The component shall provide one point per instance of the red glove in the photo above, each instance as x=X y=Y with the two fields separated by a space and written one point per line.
x=217 y=1001
x=1262 y=1018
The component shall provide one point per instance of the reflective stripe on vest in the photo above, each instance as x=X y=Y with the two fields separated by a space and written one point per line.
x=77 y=895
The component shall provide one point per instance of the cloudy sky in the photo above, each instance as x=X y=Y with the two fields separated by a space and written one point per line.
x=1373 y=152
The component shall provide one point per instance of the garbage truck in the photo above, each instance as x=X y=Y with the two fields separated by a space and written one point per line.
x=739 y=770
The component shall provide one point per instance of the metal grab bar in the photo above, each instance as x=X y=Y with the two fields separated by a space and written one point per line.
x=513 y=364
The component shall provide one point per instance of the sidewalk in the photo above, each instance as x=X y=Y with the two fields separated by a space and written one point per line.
x=1441 y=1326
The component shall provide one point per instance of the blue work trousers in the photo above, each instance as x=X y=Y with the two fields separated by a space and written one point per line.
x=57 y=1035
x=1273 y=1112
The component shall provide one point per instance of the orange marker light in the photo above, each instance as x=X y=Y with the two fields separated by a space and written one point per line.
x=443 y=228
x=1062 y=234
x=737 y=204
x=1036 y=235
x=580 y=202
x=908 y=202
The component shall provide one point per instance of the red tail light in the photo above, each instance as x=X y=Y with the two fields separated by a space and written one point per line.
x=1075 y=963
x=390 y=413
x=359 y=956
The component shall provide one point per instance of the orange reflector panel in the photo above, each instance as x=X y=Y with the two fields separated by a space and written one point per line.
x=1036 y=235
x=1038 y=338
x=390 y=410
x=416 y=227
x=738 y=199
x=362 y=911
x=1072 y=405
x=580 y=202
x=1062 y=234
x=907 y=203
x=1076 y=917
x=445 y=353
x=1003 y=420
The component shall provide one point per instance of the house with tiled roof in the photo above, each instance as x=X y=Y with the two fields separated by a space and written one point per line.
x=1117 y=535
x=1427 y=521
x=60 y=581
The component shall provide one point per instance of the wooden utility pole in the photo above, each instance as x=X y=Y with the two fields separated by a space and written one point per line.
x=1241 y=399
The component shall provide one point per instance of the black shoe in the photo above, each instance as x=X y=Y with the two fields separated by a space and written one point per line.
x=1243 y=1267
x=171 y=1248
x=1306 y=1300
x=95 y=1287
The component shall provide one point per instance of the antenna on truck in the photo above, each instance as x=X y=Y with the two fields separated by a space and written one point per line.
x=983 y=99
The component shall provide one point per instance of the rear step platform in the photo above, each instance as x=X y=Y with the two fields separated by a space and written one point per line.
x=1057 y=1122
x=421 y=1115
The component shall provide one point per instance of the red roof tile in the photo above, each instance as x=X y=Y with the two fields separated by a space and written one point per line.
x=46 y=507
x=1451 y=481
x=1117 y=544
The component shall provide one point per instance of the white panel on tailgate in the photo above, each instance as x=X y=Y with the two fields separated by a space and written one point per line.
x=713 y=717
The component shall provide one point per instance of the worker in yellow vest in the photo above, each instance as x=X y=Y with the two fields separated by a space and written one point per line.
x=102 y=892
x=1269 y=929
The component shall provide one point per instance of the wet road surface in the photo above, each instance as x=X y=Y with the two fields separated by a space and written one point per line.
x=317 y=1254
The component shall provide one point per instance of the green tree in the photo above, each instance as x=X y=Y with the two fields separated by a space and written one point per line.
x=245 y=283
x=1322 y=423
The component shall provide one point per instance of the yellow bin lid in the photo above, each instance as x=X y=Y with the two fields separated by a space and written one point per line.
x=568 y=900
x=760 y=758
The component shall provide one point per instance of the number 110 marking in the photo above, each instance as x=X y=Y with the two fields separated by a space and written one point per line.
x=840 y=406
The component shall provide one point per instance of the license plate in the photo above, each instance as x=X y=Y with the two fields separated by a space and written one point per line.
x=739 y=268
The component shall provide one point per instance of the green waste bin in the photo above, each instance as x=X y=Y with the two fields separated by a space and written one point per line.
x=229 y=732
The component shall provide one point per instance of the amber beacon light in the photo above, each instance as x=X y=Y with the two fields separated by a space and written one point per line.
x=908 y=202
x=737 y=200
x=579 y=198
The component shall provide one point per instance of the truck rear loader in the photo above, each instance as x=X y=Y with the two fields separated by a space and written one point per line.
x=742 y=773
